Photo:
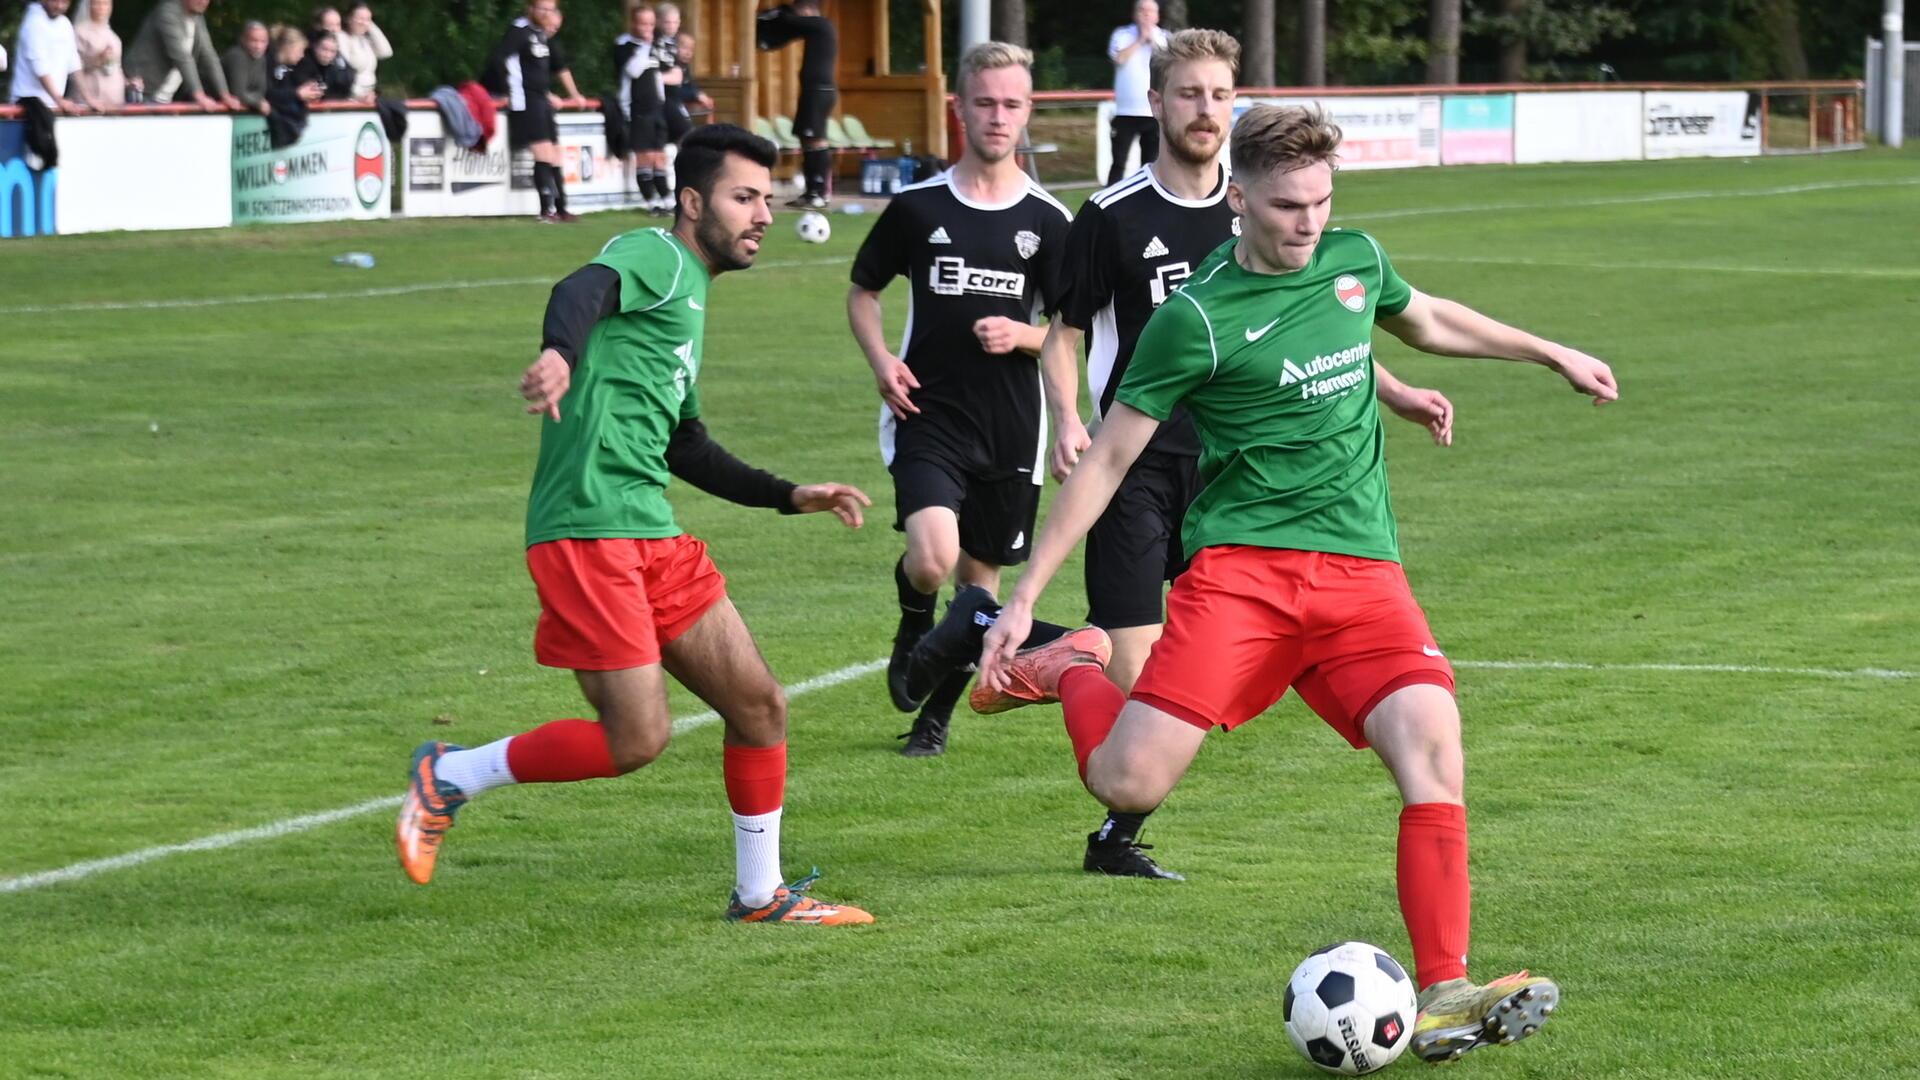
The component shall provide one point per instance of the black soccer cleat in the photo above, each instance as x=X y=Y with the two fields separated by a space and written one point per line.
x=928 y=737
x=1124 y=858
x=897 y=664
x=952 y=644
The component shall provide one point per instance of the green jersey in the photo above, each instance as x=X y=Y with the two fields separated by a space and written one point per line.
x=603 y=467
x=1277 y=372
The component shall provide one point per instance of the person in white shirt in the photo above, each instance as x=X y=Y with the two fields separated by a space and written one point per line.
x=364 y=46
x=1131 y=50
x=45 y=56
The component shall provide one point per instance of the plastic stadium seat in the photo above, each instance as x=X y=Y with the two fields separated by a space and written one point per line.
x=783 y=126
x=857 y=131
x=837 y=136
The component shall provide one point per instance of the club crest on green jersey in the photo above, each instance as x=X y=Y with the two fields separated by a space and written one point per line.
x=1350 y=292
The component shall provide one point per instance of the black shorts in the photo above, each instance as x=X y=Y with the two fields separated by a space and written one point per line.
x=810 y=117
x=678 y=122
x=647 y=131
x=996 y=511
x=1134 y=549
x=533 y=124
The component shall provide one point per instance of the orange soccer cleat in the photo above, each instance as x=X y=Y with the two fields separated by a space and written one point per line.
x=426 y=813
x=1035 y=673
x=791 y=904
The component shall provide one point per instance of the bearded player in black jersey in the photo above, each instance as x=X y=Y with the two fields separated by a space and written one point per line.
x=982 y=248
x=1131 y=246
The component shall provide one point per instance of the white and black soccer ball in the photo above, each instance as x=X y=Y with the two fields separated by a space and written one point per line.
x=813 y=227
x=1350 y=1008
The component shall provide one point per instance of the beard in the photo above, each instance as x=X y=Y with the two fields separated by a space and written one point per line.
x=1181 y=145
x=721 y=248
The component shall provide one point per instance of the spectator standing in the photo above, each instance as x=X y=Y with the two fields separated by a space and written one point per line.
x=326 y=20
x=173 y=57
x=521 y=70
x=364 y=46
x=285 y=91
x=562 y=64
x=819 y=86
x=45 y=56
x=1131 y=50
x=245 y=65
x=325 y=65
x=637 y=61
x=102 y=83
x=694 y=103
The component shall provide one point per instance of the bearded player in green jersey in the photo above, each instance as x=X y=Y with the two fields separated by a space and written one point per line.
x=1295 y=577
x=626 y=597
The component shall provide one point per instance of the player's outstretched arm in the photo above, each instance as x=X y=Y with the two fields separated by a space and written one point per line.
x=693 y=456
x=891 y=375
x=1060 y=374
x=1428 y=408
x=1449 y=328
x=1123 y=435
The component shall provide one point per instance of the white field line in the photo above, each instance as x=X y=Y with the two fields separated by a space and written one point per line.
x=387 y=802
x=1628 y=200
x=1378 y=215
x=351 y=294
x=1691 y=268
x=1697 y=669
x=822 y=682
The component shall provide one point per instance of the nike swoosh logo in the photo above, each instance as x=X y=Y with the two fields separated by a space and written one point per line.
x=694 y=304
x=1256 y=335
x=743 y=828
x=1431 y=651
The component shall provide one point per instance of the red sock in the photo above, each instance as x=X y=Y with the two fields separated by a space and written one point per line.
x=1090 y=703
x=560 y=751
x=756 y=778
x=1435 y=897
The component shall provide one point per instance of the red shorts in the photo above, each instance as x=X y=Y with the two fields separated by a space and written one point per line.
x=610 y=604
x=1245 y=623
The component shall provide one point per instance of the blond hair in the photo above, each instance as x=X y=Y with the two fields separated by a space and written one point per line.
x=1191 y=45
x=991 y=56
x=1283 y=137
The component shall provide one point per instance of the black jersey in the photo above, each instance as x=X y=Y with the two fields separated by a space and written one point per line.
x=781 y=26
x=520 y=67
x=637 y=65
x=966 y=261
x=1131 y=247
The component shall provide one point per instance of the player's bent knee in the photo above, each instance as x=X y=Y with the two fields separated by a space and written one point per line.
x=636 y=750
x=1126 y=782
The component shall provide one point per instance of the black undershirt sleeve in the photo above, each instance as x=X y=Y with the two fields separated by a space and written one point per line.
x=582 y=298
x=693 y=456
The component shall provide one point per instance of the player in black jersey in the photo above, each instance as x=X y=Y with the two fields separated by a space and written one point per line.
x=642 y=69
x=961 y=430
x=1131 y=246
x=683 y=97
x=520 y=69
x=819 y=86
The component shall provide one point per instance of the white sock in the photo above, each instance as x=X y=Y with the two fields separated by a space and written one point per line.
x=482 y=768
x=756 y=857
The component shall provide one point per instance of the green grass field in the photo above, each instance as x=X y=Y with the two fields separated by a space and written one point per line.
x=254 y=550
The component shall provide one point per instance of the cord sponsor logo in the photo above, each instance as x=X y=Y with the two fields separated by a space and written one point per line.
x=951 y=276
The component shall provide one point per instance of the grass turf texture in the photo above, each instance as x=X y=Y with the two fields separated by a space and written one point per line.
x=255 y=611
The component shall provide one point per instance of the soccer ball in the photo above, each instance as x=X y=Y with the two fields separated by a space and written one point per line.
x=1350 y=1009
x=813 y=227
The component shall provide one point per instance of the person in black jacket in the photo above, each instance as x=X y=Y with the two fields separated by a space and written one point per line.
x=521 y=69
x=324 y=64
x=801 y=21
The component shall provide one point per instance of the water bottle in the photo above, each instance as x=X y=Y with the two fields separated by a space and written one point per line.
x=359 y=260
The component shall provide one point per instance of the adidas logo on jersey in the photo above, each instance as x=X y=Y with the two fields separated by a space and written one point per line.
x=939 y=236
x=1155 y=250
